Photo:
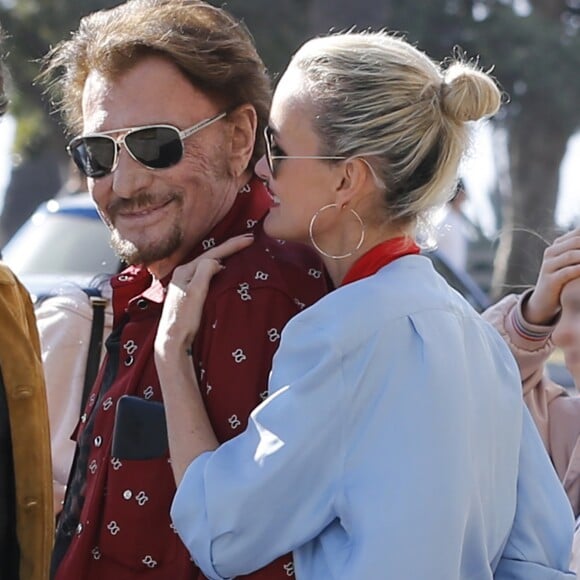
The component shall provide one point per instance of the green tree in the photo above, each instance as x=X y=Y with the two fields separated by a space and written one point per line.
x=278 y=27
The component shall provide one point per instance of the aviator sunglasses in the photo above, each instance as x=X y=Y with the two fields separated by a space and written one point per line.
x=153 y=146
x=274 y=152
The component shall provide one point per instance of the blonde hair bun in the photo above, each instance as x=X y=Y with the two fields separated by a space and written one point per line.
x=468 y=94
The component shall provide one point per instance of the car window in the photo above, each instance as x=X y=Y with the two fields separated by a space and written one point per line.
x=61 y=243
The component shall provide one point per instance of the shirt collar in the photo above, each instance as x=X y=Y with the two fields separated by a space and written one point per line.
x=378 y=256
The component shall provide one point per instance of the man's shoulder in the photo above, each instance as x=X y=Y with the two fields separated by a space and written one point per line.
x=276 y=265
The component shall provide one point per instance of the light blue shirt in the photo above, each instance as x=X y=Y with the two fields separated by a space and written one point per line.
x=394 y=445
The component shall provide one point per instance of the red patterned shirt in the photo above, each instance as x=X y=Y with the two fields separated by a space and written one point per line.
x=124 y=531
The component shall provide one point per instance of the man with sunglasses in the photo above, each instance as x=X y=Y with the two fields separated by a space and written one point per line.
x=166 y=99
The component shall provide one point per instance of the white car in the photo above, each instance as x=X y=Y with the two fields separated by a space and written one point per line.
x=64 y=242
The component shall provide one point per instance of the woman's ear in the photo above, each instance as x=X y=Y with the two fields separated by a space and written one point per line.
x=243 y=121
x=356 y=179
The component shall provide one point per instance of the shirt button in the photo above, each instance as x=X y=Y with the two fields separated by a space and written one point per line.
x=127 y=494
x=142 y=304
x=98 y=441
x=79 y=529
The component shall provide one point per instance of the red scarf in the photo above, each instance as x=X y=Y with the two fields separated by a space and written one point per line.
x=379 y=256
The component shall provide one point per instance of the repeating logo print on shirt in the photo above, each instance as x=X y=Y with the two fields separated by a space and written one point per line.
x=244 y=291
x=207 y=244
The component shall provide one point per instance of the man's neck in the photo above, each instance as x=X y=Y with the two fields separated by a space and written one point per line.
x=163 y=268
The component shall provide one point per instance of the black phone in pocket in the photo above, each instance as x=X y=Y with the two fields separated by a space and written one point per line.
x=140 y=430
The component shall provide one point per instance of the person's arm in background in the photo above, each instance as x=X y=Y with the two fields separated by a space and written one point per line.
x=64 y=325
x=531 y=347
x=526 y=323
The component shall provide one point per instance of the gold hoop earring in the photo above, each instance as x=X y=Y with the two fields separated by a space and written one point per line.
x=319 y=249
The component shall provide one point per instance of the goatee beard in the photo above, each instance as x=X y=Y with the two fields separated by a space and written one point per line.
x=129 y=253
x=149 y=252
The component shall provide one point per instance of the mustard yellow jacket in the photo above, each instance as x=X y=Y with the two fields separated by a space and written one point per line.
x=21 y=367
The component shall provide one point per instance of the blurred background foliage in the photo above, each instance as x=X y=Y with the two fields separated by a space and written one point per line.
x=533 y=47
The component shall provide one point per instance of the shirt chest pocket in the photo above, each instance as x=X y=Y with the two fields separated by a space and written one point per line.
x=136 y=529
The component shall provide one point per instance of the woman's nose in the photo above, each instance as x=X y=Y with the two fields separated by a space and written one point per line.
x=261 y=168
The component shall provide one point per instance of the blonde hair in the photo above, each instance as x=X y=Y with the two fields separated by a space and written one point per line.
x=215 y=52
x=378 y=97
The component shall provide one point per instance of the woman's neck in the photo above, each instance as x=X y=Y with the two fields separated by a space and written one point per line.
x=337 y=269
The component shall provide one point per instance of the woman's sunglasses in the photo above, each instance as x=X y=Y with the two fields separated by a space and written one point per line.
x=153 y=146
x=274 y=152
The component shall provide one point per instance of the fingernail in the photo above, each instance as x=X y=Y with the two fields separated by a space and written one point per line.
x=249 y=235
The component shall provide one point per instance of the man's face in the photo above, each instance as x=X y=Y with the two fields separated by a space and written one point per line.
x=157 y=216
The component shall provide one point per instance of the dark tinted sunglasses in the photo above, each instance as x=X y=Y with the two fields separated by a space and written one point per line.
x=153 y=146
x=274 y=152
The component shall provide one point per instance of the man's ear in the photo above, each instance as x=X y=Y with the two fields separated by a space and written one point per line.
x=356 y=180
x=243 y=122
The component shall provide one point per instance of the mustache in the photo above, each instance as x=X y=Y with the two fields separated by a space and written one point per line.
x=140 y=201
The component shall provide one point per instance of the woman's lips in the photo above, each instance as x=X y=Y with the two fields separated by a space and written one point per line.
x=275 y=199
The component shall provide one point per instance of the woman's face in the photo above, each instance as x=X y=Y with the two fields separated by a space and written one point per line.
x=299 y=187
x=566 y=335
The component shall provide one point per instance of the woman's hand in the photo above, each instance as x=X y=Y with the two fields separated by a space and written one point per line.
x=561 y=264
x=186 y=294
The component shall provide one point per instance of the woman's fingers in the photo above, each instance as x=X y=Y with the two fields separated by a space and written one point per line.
x=560 y=265
x=183 y=274
x=563 y=245
x=229 y=247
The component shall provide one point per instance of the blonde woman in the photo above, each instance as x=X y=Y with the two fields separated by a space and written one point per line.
x=394 y=443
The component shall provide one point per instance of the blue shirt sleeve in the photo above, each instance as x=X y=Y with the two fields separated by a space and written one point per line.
x=257 y=497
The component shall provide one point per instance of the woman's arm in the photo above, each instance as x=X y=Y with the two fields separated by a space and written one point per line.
x=274 y=486
x=189 y=430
